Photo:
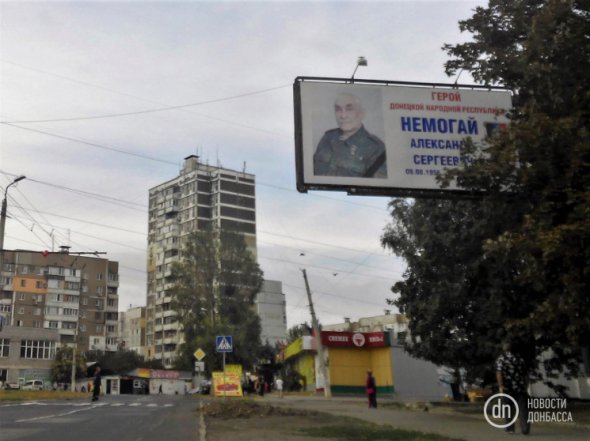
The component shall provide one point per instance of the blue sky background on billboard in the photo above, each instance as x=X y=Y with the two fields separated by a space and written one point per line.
x=215 y=79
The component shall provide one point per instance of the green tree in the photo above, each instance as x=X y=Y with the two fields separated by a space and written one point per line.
x=296 y=331
x=514 y=263
x=215 y=285
x=117 y=363
x=61 y=368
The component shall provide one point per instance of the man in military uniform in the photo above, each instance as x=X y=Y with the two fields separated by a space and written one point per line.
x=350 y=150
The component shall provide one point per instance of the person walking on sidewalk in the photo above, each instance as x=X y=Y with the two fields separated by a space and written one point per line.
x=371 y=390
x=96 y=384
x=512 y=378
x=279 y=384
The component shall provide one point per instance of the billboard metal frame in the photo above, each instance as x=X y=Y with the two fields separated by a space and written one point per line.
x=303 y=187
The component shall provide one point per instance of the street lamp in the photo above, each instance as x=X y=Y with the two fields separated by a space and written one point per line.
x=361 y=61
x=3 y=214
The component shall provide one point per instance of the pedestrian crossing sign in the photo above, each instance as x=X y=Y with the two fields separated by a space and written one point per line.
x=224 y=343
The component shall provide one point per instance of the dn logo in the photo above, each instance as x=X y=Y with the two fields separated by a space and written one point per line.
x=498 y=407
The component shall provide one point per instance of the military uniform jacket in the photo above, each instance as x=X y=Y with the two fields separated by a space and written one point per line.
x=361 y=155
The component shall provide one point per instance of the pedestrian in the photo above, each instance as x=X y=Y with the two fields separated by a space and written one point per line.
x=260 y=385
x=96 y=384
x=279 y=385
x=371 y=390
x=512 y=377
x=160 y=390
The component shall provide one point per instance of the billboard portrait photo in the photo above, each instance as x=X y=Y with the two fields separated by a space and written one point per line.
x=388 y=138
x=347 y=132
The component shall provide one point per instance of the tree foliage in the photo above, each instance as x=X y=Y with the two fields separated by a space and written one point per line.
x=515 y=263
x=61 y=368
x=120 y=362
x=215 y=285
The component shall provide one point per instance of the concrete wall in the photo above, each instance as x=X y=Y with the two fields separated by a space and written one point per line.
x=414 y=379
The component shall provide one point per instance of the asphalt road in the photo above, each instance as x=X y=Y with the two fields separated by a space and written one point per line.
x=116 y=418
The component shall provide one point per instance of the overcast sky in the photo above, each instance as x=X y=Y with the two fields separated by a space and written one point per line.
x=88 y=179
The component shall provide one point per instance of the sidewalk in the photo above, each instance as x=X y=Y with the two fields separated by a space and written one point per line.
x=445 y=422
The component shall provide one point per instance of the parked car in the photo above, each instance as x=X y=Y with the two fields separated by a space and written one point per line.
x=11 y=386
x=33 y=385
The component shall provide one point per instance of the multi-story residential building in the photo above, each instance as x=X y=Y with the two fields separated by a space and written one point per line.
x=271 y=308
x=132 y=330
x=199 y=196
x=74 y=294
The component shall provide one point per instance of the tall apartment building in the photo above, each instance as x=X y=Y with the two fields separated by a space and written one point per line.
x=271 y=308
x=199 y=196
x=132 y=329
x=74 y=295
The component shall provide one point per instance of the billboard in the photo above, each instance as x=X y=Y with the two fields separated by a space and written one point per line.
x=388 y=138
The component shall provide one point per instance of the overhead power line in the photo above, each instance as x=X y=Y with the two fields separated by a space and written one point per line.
x=159 y=109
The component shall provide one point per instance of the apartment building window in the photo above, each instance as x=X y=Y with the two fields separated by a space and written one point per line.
x=99 y=276
x=20 y=323
x=72 y=286
x=36 y=324
x=99 y=328
x=53 y=283
x=39 y=284
x=37 y=349
x=21 y=310
x=23 y=283
x=70 y=311
x=110 y=328
x=84 y=300
x=82 y=328
x=53 y=325
x=6 y=280
x=4 y=347
x=83 y=314
x=99 y=290
x=24 y=269
x=5 y=308
x=37 y=311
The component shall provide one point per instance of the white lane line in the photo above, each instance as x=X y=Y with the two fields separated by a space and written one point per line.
x=55 y=415
x=135 y=404
x=117 y=404
x=168 y=405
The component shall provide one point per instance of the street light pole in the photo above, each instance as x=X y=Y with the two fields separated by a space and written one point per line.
x=3 y=213
x=3 y=224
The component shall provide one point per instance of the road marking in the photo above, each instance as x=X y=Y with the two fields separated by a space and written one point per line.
x=53 y=416
x=134 y=404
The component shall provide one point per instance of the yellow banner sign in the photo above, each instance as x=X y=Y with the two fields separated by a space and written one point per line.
x=228 y=385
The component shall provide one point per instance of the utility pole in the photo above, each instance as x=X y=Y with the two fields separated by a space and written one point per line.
x=318 y=340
